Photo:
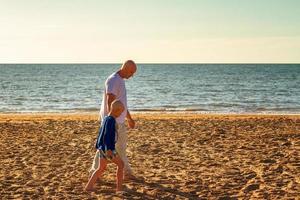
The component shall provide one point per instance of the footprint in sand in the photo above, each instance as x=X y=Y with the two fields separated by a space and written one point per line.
x=251 y=187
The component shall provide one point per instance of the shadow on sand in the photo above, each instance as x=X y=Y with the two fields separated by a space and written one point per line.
x=140 y=189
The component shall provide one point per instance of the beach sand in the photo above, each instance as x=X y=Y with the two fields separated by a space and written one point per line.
x=179 y=156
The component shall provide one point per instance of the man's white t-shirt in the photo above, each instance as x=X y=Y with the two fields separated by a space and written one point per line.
x=114 y=84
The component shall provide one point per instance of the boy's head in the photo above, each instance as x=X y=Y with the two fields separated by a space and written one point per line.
x=116 y=108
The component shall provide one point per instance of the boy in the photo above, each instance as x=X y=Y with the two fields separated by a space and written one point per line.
x=106 y=146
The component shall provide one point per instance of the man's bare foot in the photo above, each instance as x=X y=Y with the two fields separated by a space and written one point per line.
x=120 y=192
x=89 y=189
x=129 y=177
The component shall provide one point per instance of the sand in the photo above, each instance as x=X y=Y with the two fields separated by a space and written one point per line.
x=178 y=156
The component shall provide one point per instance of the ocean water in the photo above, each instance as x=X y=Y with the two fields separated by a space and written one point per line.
x=208 y=88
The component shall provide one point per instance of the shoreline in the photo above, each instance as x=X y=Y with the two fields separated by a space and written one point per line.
x=95 y=115
x=149 y=112
x=155 y=111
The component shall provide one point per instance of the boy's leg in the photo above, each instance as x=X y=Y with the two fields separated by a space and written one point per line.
x=118 y=161
x=95 y=163
x=96 y=174
x=121 y=146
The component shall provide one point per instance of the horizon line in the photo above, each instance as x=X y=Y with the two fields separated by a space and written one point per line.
x=95 y=63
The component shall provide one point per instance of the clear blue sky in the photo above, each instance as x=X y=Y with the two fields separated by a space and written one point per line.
x=203 y=31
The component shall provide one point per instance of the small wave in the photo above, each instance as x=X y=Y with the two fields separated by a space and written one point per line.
x=288 y=109
x=195 y=109
x=81 y=109
x=224 y=105
x=20 y=98
x=169 y=109
x=149 y=109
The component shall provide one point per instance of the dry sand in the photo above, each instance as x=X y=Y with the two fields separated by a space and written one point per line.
x=179 y=156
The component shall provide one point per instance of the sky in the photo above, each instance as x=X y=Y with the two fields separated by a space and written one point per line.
x=149 y=31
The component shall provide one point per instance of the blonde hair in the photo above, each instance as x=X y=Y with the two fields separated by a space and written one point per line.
x=116 y=106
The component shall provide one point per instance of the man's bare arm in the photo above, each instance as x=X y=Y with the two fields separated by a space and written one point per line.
x=128 y=116
x=131 y=122
x=110 y=98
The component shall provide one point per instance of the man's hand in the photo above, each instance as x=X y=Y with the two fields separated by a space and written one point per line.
x=131 y=123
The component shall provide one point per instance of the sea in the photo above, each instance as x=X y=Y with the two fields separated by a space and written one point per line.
x=203 y=88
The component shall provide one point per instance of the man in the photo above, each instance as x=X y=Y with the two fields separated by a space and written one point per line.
x=115 y=89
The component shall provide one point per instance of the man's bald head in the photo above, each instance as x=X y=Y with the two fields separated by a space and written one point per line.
x=128 y=69
x=128 y=64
